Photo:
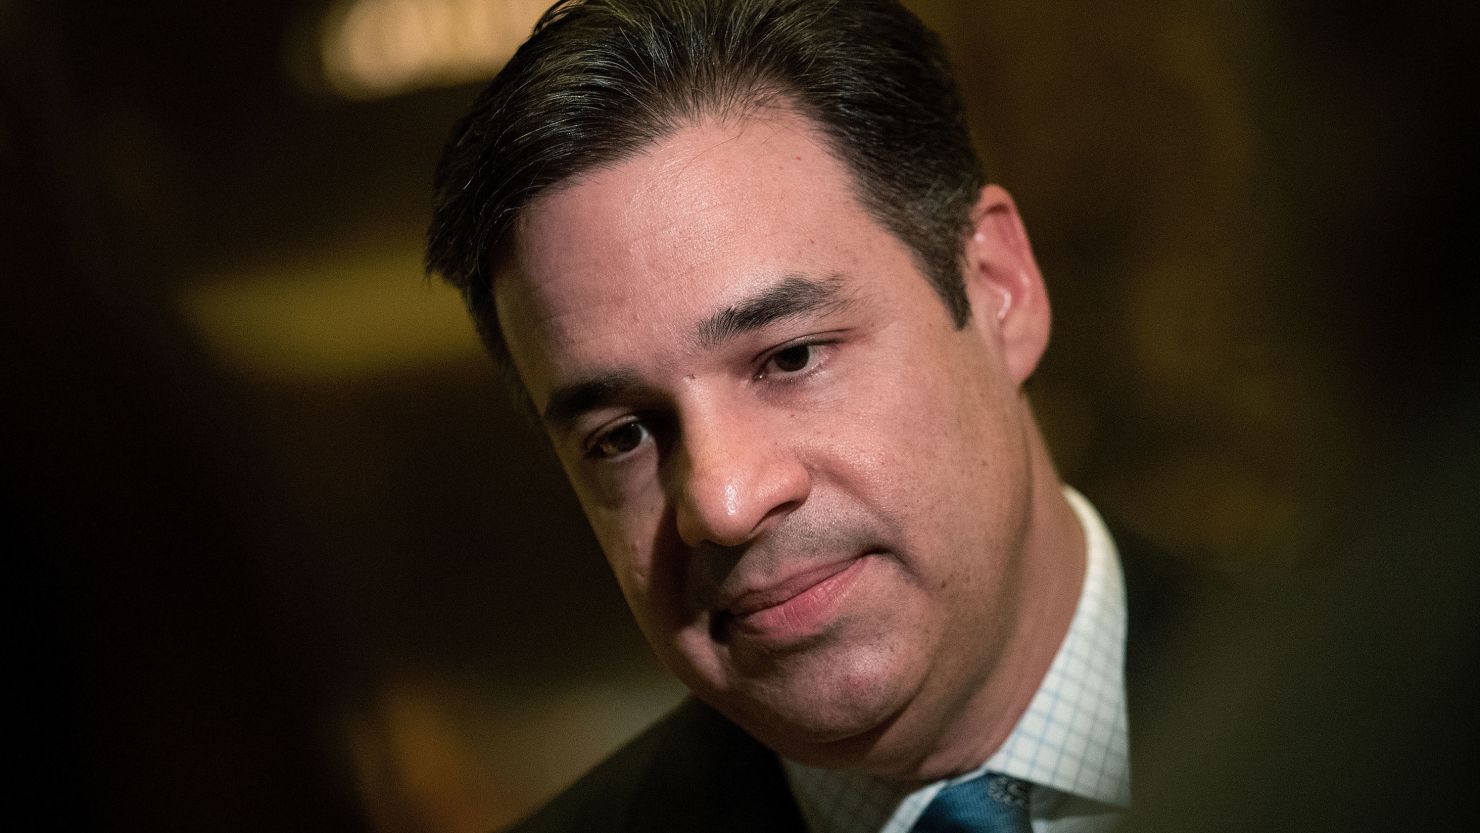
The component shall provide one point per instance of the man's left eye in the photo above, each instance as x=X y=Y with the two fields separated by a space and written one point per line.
x=791 y=359
x=798 y=359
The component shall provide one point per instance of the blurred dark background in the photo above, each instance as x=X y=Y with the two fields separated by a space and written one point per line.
x=287 y=560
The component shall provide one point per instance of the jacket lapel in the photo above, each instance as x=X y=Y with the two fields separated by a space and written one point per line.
x=709 y=775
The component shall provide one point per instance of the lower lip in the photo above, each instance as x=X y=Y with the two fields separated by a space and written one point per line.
x=803 y=615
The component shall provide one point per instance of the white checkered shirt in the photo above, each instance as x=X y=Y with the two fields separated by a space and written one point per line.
x=1071 y=744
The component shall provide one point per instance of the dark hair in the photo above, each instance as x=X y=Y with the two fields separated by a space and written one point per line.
x=600 y=79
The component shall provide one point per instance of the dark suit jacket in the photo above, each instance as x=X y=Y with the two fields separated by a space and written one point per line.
x=696 y=771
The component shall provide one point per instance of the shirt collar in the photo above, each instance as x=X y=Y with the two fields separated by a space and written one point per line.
x=1072 y=740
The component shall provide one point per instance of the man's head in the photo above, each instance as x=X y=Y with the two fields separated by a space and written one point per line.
x=797 y=430
x=600 y=80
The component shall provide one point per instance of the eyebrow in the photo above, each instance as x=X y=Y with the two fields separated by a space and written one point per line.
x=568 y=402
x=792 y=296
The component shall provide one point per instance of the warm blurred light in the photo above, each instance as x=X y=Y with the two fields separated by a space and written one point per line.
x=434 y=754
x=330 y=316
x=378 y=48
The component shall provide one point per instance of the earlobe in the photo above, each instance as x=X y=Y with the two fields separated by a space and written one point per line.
x=1009 y=303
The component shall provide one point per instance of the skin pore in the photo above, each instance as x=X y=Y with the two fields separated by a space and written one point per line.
x=828 y=507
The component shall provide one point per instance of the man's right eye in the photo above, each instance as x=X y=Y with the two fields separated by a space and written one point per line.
x=620 y=440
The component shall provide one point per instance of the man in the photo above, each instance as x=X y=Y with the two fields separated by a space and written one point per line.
x=740 y=257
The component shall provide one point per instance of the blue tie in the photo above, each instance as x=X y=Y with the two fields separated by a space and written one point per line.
x=993 y=803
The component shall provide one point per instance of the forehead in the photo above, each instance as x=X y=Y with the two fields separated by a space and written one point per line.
x=624 y=260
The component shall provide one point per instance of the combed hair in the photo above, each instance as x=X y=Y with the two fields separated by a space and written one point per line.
x=598 y=80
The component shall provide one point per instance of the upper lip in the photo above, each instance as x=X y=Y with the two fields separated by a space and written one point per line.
x=752 y=599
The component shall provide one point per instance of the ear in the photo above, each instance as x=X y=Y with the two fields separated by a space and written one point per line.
x=1009 y=304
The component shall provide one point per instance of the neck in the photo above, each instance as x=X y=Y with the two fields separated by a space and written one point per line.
x=1048 y=584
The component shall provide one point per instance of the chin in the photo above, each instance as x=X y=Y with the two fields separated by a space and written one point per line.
x=821 y=719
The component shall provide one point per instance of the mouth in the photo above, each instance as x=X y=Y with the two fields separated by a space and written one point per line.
x=792 y=610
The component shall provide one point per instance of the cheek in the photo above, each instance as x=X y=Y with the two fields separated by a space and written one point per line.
x=640 y=555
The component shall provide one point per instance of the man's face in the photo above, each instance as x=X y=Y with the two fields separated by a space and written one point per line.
x=812 y=487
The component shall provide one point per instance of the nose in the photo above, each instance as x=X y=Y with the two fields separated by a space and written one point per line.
x=735 y=475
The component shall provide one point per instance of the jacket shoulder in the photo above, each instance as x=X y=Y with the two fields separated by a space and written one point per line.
x=692 y=770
